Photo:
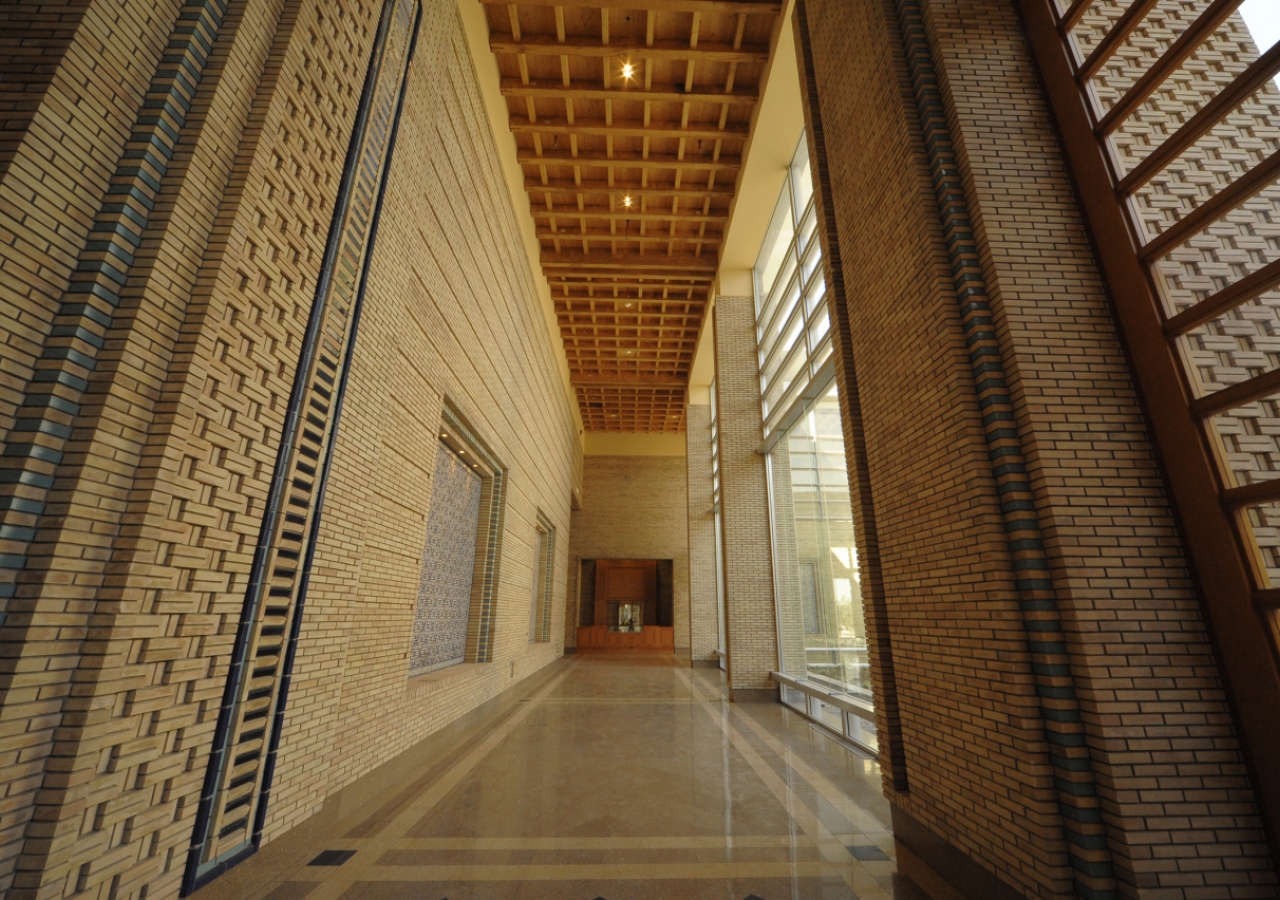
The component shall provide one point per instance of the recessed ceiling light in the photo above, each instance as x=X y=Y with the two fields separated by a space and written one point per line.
x=628 y=305
x=626 y=201
x=628 y=70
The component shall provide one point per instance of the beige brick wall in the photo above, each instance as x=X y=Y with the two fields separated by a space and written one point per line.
x=751 y=637
x=633 y=507
x=703 y=638
x=142 y=555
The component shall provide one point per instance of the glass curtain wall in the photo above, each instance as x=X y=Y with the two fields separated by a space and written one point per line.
x=822 y=638
x=791 y=308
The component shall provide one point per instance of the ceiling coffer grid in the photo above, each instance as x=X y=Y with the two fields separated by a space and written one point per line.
x=630 y=120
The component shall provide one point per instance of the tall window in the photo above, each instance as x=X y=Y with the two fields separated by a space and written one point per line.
x=822 y=638
x=791 y=310
x=543 y=568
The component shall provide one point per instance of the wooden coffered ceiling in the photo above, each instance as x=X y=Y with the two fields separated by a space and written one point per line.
x=630 y=119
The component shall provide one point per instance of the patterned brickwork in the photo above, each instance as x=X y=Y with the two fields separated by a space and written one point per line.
x=751 y=624
x=1069 y=754
x=62 y=65
x=633 y=507
x=124 y=620
x=37 y=36
x=121 y=746
x=1241 y=343
x=702 y=534
x=451 y=314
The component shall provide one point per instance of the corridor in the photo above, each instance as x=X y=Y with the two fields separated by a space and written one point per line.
x=623 y=778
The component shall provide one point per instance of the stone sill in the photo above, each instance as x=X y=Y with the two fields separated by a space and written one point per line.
x=430 y=682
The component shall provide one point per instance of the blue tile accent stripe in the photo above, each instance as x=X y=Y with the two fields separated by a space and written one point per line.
x=237 y=785
x=43 y=424
x=1073 y=774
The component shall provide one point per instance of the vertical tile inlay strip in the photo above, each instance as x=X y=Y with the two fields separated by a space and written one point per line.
x=1074 y=780
x=237 y=783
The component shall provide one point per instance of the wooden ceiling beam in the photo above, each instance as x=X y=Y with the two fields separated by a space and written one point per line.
x=615 y=330
x=582 y=157
x=616 y=306
x=604 y=312
x=621 y=263
x=558 y=289
x=685 y=282
x=596 y=160
x=604 y=237
x=604 y=213
x=562 y=302
x=731 y=7
x=620 y=362
x=659 y=93
x=608 y=319
x=627 y=128
x=684 y=337
x=627 y=383
x=567 y=186
x=547 y=45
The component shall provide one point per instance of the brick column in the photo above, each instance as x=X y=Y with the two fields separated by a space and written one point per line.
x=702 y=537
x=787 y=575
x=752 y=635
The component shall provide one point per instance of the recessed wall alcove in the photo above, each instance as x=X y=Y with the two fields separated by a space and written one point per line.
x=626 y=606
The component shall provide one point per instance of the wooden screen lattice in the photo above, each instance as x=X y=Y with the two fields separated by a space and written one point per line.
x=238 y=780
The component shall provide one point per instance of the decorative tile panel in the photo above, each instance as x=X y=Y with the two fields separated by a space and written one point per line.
x=443 y=609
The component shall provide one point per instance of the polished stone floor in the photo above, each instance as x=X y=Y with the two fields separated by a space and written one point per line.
x=614 y=777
